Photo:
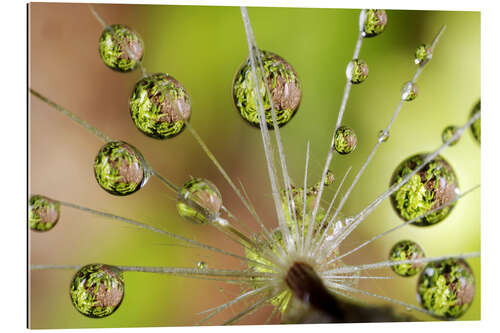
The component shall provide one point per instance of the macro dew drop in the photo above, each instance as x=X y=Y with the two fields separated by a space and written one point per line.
x=345 y=140
x=382 y=136
x=433 y=186
x=357 y=71
x=43 y=213
x=120 y=169
x=373 y=22
x=423 y=54
x=283 y=84
x=406 y=250
x=448 y=133
x=446 y=288
x=97 y=290
x=199 y=201
x=201 y=265
x=409 y=91
x=120 y=48
x=160 y=106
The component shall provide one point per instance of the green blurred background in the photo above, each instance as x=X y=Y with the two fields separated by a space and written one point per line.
x=203 y=47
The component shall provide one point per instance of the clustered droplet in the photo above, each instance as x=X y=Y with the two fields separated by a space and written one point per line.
x=433 y=186
x=282 y=82
x=357 y=71
x=156 y=105
x=373 y=23
x=97 y=290
x=120 y=169
x=406 y=250
x=121 y=48
x=43 y=213
x=448 y=133
x=446 y=288
x=476 y=125
x=409 y=91
x=345 y=140
x=199 y=201
x=423 y=54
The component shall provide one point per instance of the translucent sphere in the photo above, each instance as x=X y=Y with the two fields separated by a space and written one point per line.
x=345 y=140
x=448 y=133
x=120 y=169
x=409 y=91
x=120 y=48
x=383 y=136
x=97 y=290
x=156 y=105
x=284 y=86
x=476 y=125
x=43 y=213
x=357 y=71
x=199 y=201
x=433 y=186
x=406 y=250
x=373 y=23
x=423 y=54
x=329 y=178
x=446 y=288
x=201 y=265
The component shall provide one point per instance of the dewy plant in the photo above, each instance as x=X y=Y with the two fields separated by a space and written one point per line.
x=293 y=262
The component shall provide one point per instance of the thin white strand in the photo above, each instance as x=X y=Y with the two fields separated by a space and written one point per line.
x=386 y=298
x=330 y=223
x=345 y=97
x=218 y=309
x=390 y=263
x=253 y=50
x=375 y=203
x=401 y=225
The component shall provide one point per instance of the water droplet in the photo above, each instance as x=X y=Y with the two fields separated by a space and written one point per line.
x=202 y=265
x=284 y=86
x=121 y=48
x=406 y=250
x=329 y=178
x=357 y=71
x=476 y=125
x=448 y=133
x=43 y=213
x=156 y=105
x=409 y=91
x=97 y=290
x=383 y=136
x=435 y=185
x=120 y=168
x=345 y=140
x=199 y=201
x=423 y=54
x=373 y=23
x=449 y=291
